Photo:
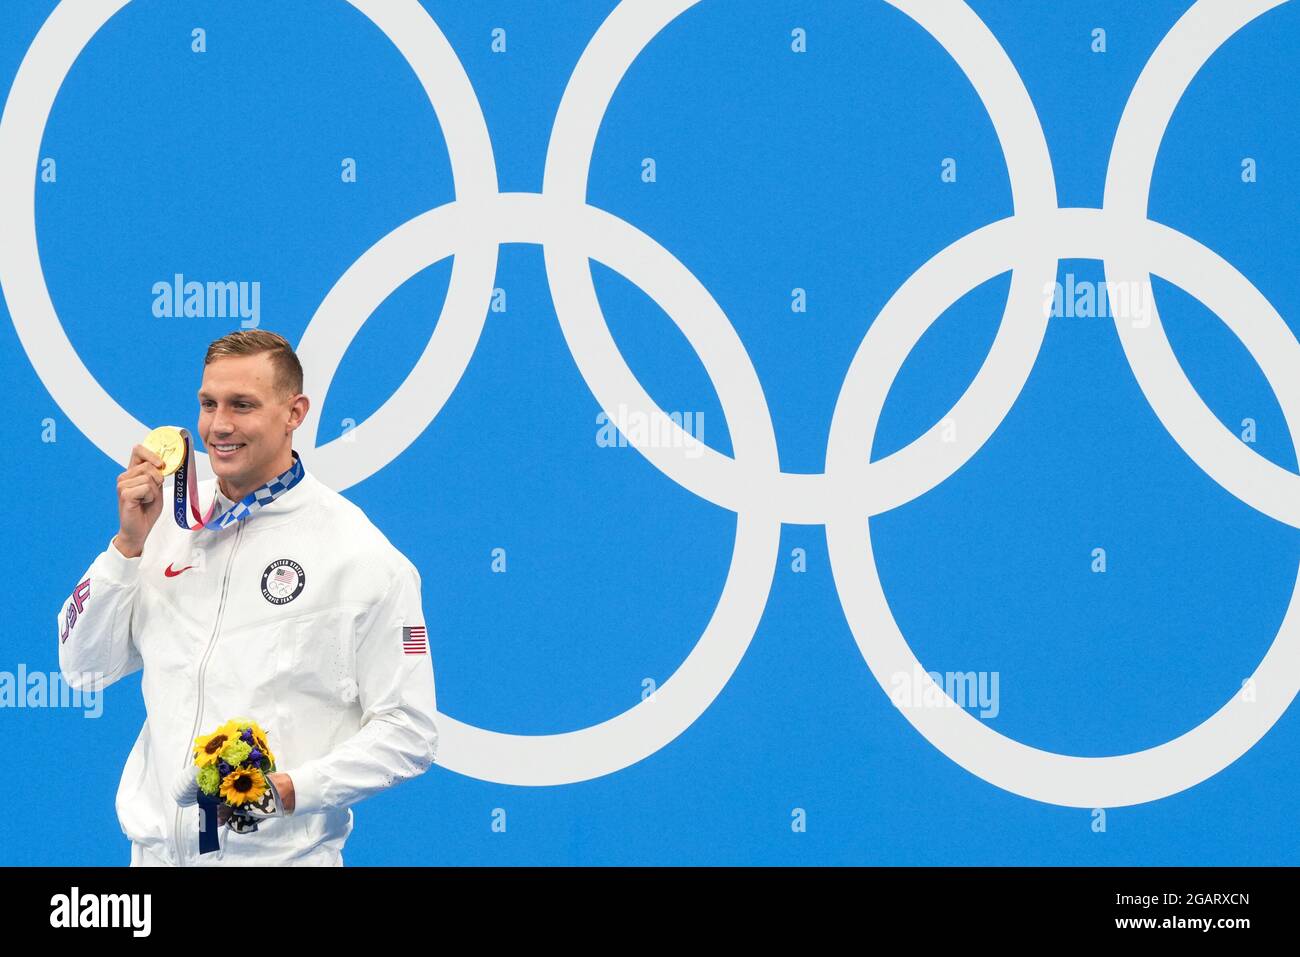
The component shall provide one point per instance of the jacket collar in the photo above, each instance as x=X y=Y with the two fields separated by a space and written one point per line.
x=287 y=503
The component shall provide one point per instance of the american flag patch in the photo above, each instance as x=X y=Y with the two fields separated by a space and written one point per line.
x=283 y=574
x=414 y=640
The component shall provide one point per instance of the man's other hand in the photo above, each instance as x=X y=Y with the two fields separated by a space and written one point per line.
x=284 y=785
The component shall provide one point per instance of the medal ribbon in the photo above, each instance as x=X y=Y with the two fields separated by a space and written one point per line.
x=186 y=477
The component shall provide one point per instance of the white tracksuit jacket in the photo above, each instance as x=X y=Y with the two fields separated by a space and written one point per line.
x=295 y=618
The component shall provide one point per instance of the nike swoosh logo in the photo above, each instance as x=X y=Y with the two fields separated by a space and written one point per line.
x=170 y=573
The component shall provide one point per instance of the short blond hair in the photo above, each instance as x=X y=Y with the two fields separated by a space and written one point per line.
x=251 y=342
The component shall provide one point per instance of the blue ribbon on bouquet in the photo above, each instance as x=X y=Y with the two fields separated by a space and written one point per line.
x=209 y=838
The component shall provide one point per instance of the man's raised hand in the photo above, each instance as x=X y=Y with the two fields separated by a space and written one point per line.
x=139 y=500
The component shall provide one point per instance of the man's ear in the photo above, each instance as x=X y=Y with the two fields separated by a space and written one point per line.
x=298 y=411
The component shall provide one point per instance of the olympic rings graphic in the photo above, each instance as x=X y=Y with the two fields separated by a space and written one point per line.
x=852 y=489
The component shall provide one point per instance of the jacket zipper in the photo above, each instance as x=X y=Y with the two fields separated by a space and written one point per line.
x=203 y=667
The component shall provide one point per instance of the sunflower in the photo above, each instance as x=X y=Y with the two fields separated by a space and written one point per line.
x=207 y=748
x=267 y=752
x=243 y=787
x=258 y=735
x=260 y=743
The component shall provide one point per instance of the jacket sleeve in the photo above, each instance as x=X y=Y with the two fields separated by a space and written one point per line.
x=94 y=624
x=398 y=739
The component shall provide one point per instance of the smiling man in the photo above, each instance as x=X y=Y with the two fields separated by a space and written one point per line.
x=287 y=607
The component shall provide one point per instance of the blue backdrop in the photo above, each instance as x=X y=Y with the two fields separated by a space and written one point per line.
x=774 y=170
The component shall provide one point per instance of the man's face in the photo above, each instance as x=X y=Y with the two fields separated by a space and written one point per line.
x=246 y=423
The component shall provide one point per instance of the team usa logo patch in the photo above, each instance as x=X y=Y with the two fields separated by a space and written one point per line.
x=283 y=581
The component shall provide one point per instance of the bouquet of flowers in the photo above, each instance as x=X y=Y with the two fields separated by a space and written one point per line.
x=232 y=767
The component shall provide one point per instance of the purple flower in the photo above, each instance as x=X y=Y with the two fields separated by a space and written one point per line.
x=247 y=736
x=255 y=757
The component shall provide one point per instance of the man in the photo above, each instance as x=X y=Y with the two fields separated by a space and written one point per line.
x=298 y=614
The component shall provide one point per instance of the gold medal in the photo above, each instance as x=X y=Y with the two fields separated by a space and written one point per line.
x=168 y=444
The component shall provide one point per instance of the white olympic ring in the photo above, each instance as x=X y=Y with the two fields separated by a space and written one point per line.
x=853 y=488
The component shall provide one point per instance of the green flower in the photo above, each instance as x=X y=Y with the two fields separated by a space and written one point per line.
x=209 y=780
x=236 y=753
